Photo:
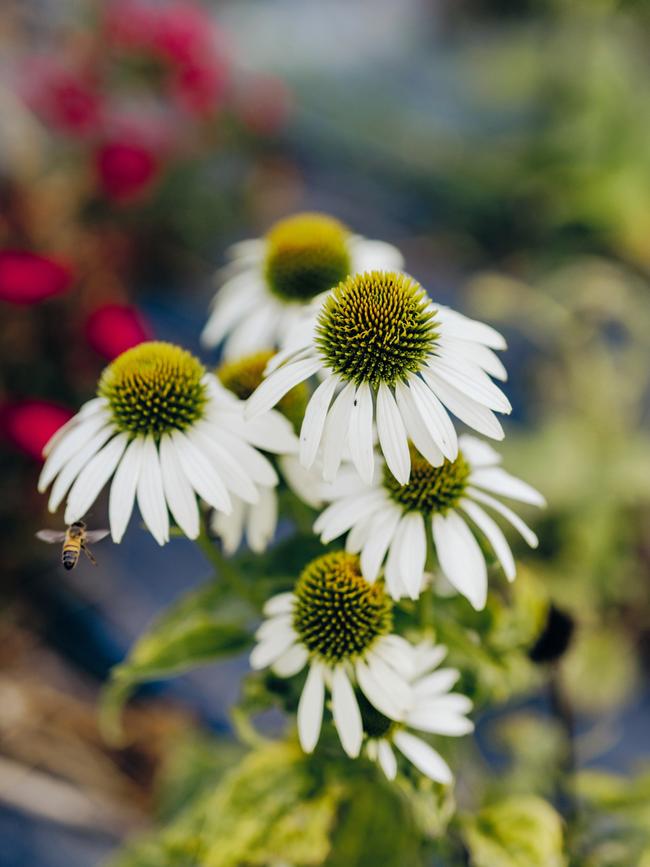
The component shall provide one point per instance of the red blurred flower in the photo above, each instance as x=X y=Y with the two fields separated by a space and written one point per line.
x=29 y=424
x=263 y=103
x=67 y=99
x=26 y=278
x=184 y=32
x=129 y=24
x=126 y=170
x=113 y=328
x=198 y=87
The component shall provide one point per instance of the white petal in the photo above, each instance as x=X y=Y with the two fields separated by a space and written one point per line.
x=201 y=474
x=281 y=381
x=428 y=656
x=392 y=435
x=302 y=482
x=460 y=557
x=270 y=431
x=374 y=256
x=122 y=496
x=339 y=517
x=498 y=481
x=256 y=465
x=478 y=452
x=374 y=551
x=477 y=353
x=494 y=536
x=230 y=304
x=230 y=469
x=230 y=527
x=435 y=417
x=360 y=437
x=472 y=381
x=413 y=552
x=436 y=683
x=457 y=325
x=262 y=521
x=345 y=711
x=390 y=679
x=478 y=417
x=93 y=477
x=89 y=408
x=424 y=757
x=178 y=491
x=507 y=513
x=314 y=420
x=393 y=569
x=291 y=662
x=150 y=492
x=398 y=653
x=386 y=759
x=336 y=430
x=416 y=428
x=359 y=533
x=69 y=444
x=74 y=466
x=272 y=648
x=377 y=694
x=281 y=603
x=310 y=708
x=282 y=624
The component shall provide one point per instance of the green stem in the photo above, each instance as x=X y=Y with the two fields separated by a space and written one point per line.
x=222 y=565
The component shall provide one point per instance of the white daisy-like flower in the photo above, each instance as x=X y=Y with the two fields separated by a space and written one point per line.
x=389 y=523
x=270 y=280
x=257 y=522
x=386 y=353
x=165 y=430
x=434 y=709
x=339 y=626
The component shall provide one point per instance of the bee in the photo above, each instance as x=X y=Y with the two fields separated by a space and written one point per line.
x=75 y=540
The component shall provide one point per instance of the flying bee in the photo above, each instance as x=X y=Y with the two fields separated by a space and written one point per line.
x=75 y=540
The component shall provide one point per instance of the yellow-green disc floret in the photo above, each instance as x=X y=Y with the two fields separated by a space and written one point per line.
x=154 y=388
x=338 y=614
x=376 y=327
x=306 y=254
x=430 y=489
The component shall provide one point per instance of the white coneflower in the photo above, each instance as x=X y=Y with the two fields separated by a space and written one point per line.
x=340 y=627
x=270 y=280
x=390 y=522
x=257 y=522
x=434 y=709
x=393 y=357
x=165 y=430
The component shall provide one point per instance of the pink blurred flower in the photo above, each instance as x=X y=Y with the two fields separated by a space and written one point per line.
x=184 y=32
x=126 y=170
x=130 y=24
x=263 y=104
x=113 y=328
x=26 y=278
x=67 y=99
x=199 y=87
x=29 y=424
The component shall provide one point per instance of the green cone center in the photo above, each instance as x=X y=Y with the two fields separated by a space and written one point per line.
x=154 y=388
x=376 y=327
x=338 y=614
x=430 y=489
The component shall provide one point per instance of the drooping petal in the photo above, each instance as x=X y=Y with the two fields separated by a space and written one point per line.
x=345 y=710
x=392 y=435
x=74 y=466
x=178 y=491
x=281 y=381
x=415 y=427
x=151 y=494
x=386 y=759
x=201 y=474
x=281 y=603
x=360 y=437
x=472 y=381
x=460 y=557
x=336 y=432
x=310 y=708
x=494 y=536
x=262 y=521
x=475 y=415
x=507 y=513
x=424 y=757
x=413 y=553
x=93 y=477
x=68 y=446
x=497 y=481
x=292 y=661
x=435 y=417
x=374 y=551
x=123 y=487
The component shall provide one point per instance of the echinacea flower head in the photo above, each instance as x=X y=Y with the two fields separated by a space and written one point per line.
x=165 y=431
x=391 y=525
x=257 y=522
x=387 y=354
x=270 y=281
x=434 y=709
x=339 y=626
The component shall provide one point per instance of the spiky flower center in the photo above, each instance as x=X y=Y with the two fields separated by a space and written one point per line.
x=154 y=388
x=338 y=614
x=430 y=489
x=306 y=254
x=243 y=375
x=376 y=327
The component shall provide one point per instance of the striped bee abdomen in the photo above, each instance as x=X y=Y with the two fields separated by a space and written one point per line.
x=70 y=555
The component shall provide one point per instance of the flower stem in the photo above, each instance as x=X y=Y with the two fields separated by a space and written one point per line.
x=222 y=565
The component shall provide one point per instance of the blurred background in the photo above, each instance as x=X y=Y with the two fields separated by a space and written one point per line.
x=503 y=146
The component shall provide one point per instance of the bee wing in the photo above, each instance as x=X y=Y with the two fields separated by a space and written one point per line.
x=50 y=536
x=93 y=536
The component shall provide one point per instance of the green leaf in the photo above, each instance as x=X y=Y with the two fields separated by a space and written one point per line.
x=522 y=831
x=198 y=629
